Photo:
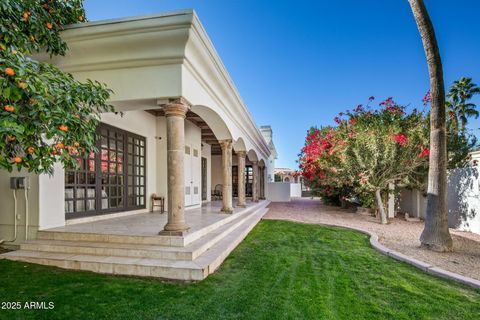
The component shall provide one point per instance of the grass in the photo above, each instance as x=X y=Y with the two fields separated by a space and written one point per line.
x=282 y=270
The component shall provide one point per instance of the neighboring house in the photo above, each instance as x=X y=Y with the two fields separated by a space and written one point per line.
x=287 y=175
x=182 y=132
x=268 y=135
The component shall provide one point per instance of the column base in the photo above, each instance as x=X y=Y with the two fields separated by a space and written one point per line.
x=227 y=210
x=241 y=205
x=174 y=230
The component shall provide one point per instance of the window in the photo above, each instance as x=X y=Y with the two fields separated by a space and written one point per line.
x=111 y=180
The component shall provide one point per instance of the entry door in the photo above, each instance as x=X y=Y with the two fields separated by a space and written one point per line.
x=192 y=176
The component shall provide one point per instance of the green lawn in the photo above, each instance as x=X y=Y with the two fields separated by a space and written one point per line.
x=282 y=270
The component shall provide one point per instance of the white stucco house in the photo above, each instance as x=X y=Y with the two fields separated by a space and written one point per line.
x=182 y=132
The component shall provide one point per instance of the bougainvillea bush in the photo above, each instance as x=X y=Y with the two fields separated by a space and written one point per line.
x=46 y=116
x=368 y=149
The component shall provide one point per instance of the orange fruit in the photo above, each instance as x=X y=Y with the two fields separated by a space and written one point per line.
x=63 y=128
x=49 y=25
x=32 y=37
x=60 y=145
x=9 y=108
x=80 y=18
x=9 y=72
x=54 y=152
x=17 y=159
x=30 y=150
x=22 y=85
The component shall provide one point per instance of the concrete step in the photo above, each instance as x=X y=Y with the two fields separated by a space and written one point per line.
x=196 y=269
x=161 y=240
x=189 y=252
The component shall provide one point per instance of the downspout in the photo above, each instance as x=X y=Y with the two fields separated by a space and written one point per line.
x=15 y=218
x=26 y=213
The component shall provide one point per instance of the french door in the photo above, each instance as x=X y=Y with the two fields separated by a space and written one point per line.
x=192 y=165
x=110 y=180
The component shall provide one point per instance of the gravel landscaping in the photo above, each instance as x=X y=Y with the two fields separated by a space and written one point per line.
x=399 y=235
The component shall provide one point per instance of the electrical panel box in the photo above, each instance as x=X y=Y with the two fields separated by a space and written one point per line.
x=19 y=183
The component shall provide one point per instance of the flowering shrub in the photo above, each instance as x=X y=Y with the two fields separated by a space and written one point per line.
x=368 y=149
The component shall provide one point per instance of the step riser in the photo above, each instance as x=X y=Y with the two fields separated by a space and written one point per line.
x=99 y=251
x=121 y=269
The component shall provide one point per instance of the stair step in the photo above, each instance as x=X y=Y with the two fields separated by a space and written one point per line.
x=189 y=252
x=197 y=269
x=161 y=240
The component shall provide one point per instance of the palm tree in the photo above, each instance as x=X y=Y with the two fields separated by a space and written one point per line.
x=435 y=235
x=460 y=92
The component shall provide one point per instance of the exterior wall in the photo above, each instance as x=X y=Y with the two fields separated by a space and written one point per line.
x=7 y=207
x=295 y=190
x=207 y=153
x=270 y=165
x=51 y=206
x=217 y=171
x=463 y=200
x=278 y=191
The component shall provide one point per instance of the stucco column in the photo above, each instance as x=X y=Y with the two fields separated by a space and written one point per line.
x=175 y=113
x=241 y=179
x=255 y=181
x=227 y=175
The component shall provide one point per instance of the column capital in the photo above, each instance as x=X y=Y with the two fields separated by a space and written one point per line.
x=254 y=162
x=241 y=154
x=176 y=107
x=226 y=144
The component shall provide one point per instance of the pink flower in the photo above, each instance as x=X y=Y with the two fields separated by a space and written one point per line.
x=427 y=98
x=352 y=121
x=334 y=169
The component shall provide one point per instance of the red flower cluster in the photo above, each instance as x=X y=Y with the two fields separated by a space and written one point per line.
x=400 y=138
x=425 y=153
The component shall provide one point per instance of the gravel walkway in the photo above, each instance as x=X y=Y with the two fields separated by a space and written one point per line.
x=399 y=235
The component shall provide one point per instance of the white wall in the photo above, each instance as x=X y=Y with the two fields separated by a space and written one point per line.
x=216 y=170
x=464 y=199
x=278 y=191
x=207 y=153
x=51 y=205
x=295 y=190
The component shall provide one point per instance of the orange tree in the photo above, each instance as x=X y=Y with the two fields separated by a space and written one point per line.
x=46 y=116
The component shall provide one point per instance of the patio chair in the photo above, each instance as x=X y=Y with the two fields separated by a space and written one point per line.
x=158 y=202
x=217 y=192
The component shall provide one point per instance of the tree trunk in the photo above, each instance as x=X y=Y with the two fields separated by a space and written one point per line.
x=435 y=235
x=381 y=209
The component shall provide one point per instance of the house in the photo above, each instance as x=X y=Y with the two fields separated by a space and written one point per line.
x=181 y=132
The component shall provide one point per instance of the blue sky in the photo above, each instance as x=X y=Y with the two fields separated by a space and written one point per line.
x=299 y=63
